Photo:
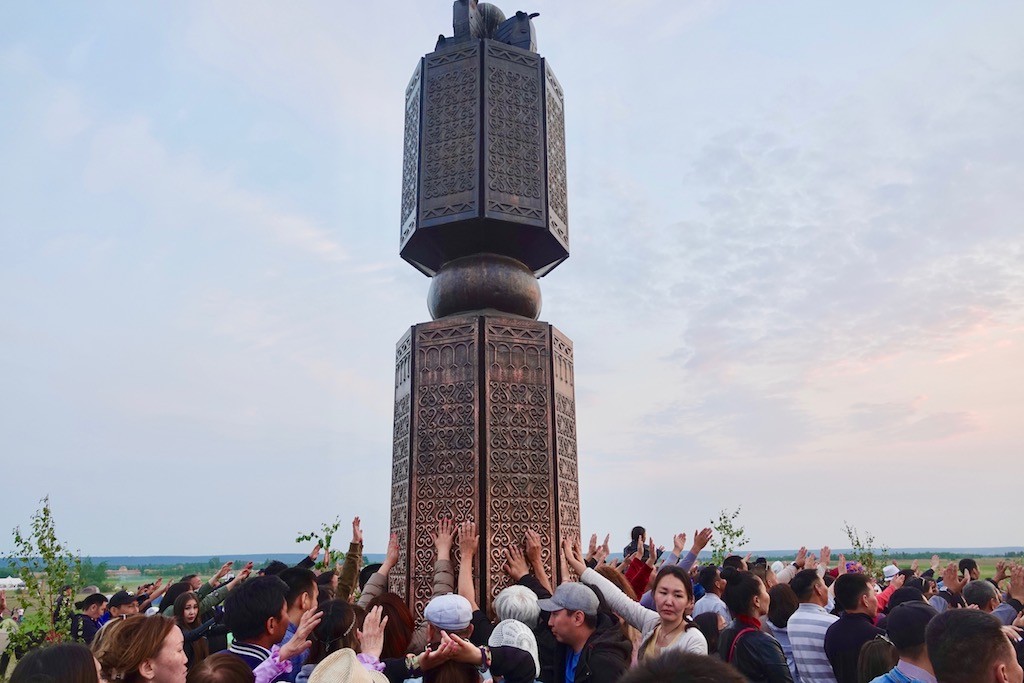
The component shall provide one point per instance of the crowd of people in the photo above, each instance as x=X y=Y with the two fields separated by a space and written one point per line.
x=651 y=616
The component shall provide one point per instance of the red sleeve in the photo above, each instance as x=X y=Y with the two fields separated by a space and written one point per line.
x=638 y=574
x=883 y=597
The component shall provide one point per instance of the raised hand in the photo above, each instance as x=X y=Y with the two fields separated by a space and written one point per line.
x=371 y=636
x=357 y=531
x=746 y=561
x=300 y=642
x=801 y=557
x=1016 y=588
x=443 y=537
x=573 y=555
x=603 y=551
x=952 y=580
x=1001 y=572
x=935 y=563
x=898 y=581
x=652 y=555
x=592 y=548
x=810 y=562
x=3 y=601
x=914 y=566
x=679 y=544
x=826 y=556
x=468 y=540
x=221 y=573
x=391 y=556
x=701 y=539
x=241 y=576
x=314 y=554
x=533 y=548
x=842 y=563
x=515 y=564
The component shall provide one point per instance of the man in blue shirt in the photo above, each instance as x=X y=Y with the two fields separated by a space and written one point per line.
x=591 y=645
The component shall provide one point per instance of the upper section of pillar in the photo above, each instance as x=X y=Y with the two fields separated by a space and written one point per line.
x=484 y=169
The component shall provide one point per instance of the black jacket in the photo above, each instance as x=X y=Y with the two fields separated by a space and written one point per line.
x=758 y=656
x=603 y=659
x=843 y=641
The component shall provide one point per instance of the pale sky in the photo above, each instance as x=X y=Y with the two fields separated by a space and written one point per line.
x=796 y=281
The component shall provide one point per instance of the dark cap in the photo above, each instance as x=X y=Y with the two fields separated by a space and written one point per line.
x=902 y=595
x=120 y=599
x=89 y=601
x=907 y=623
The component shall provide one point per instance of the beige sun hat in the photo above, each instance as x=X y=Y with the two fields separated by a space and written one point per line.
x=343 y=667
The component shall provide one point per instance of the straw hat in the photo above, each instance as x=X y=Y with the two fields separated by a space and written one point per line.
x=343 y=667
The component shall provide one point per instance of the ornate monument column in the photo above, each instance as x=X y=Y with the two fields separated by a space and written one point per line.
x=485 y=418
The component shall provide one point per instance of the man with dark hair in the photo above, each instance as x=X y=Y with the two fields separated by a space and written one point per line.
x=808 y=625
x=855 y=595
x=303 y=593
x=711 y=580
x=968 y=566
x=86 y=622
x=257 y=614
x=906 y=628
x=969 y=646
x=591 y=647
x=951 y=594
x=122 y=604
x=194 y=581
x=675 y=666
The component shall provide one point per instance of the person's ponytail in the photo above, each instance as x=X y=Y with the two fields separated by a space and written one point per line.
x=741 y=587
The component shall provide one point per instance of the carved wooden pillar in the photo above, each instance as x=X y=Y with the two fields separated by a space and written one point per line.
x=485 y=419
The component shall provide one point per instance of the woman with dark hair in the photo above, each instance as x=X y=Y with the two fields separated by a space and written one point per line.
x=337 y=630
x=668 y=628
x=783 y=603
x=64 y=663
x=756 y=654
x=877 y=657
x=143 y=649
x=399 y=631
x=186 y=616
x=221 y=668
x=711 y=625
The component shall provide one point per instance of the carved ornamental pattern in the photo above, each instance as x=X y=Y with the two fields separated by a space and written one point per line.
x=399 y=577
x=567 y=492
x=513 y=130
x=558 y=184
x=411 y=154
x=451 y=128
x=519 y=472
x=484 y=430
x=445 y=466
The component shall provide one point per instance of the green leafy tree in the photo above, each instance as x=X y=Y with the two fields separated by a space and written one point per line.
x=323 y=538
x=45 y=564
x=96 y=575
x=863 y=545
x=729 y=534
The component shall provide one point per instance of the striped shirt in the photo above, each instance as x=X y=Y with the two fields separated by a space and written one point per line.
x=807 y=629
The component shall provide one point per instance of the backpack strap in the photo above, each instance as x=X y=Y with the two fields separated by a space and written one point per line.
x=736 y=640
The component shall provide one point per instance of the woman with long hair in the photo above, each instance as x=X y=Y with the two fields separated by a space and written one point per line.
x=783 y=603
x=667 y=628
x=756 y=654
x=63 y=663
x=400 y=628
x=186 y=616
x=143 y=649
x=338 y=630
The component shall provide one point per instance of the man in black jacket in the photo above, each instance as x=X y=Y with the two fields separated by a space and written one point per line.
x=591 y=647
x=855 y=595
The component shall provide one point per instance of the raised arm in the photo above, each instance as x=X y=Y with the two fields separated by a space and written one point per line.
x=468 y=543
x=378 y=583
x=533 y=556
x=635 y=614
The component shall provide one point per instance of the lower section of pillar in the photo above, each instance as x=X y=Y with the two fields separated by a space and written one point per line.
x=485 y=430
